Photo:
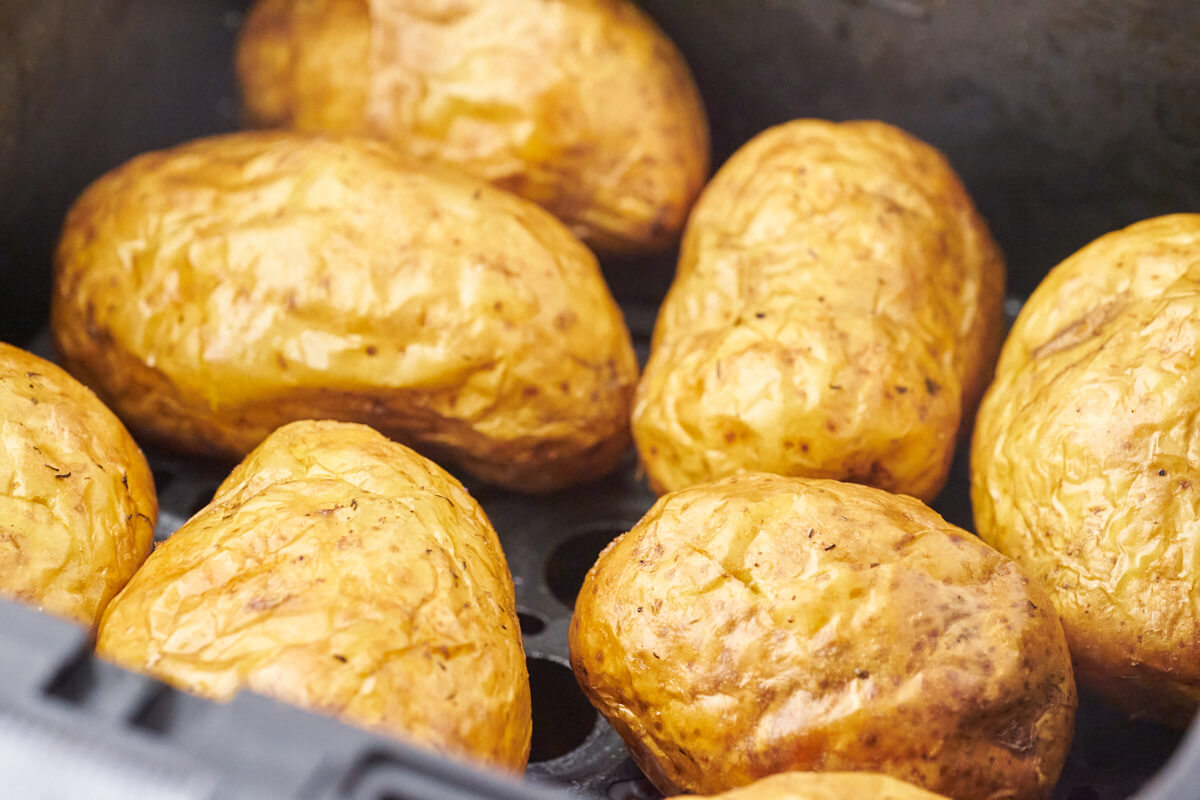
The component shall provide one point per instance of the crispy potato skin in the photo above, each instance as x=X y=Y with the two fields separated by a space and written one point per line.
x=836 y=312
x=825 y=786
x=78 y=511
x=1085 y=464
x=215 y=291
x=344 y=573
x=763 y=624
x=582 y=106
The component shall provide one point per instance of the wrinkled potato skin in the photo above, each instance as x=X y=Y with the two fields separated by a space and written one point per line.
x=763 y=624
x=582 y=106
x=836 y=313
x=825 y=786
x=215 y=291
x=344 y=573
x=1084 y=465
x=78 y=511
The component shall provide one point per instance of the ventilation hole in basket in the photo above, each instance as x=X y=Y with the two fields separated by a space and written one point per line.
x=531 y=625
x=162 y=479
x=571 y=560
x=562 y=716
x=1083 y=793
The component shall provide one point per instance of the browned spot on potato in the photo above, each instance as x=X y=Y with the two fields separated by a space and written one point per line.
x=565 y=320
x=1081 y=329
x=259 y=603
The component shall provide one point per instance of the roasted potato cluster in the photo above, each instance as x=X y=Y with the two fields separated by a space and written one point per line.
x=582 y=106
x=404 y=254
x=78 y=509
x=396 y=274
x=1085 y=466
x=214 y=291
x=762 y=624
x=836 y=313
x=345 y=573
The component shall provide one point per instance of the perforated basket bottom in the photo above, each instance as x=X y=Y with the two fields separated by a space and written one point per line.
x=550 y=543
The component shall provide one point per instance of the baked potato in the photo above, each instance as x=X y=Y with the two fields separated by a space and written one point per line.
x=582 y=106
x=763 y=624
x=825 y=786
x=1085 y=465
x=78 y=512
x=835 y=314
x=214 y=291
x=344 y=573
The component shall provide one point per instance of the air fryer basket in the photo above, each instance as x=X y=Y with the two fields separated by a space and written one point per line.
x=1065 y=119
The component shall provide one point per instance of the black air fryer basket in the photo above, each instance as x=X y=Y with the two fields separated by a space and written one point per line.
x=1065 y=118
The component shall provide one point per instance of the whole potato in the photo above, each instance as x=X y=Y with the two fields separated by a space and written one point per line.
x=825 y=786
x=214 y=291
x=1085 y=465
x=835 y=314
x=78 y=512
x=583 y=106
x=762 y=624
x=344 y=573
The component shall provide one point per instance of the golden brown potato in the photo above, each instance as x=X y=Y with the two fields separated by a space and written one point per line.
x=78 y=511
x=215 y=291
x=825 y=786
x=344 y=573
x=583 y=106
x=1085 y=465
x=764 y=624
x=836 y=312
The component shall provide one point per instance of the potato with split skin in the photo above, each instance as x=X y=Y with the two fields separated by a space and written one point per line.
x=825 y=786
x=346 y=574
x=763 y=624
x=78 y=509
x=582 y=106
x=836 y=313
x=214 y=291
x=1085 y=465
